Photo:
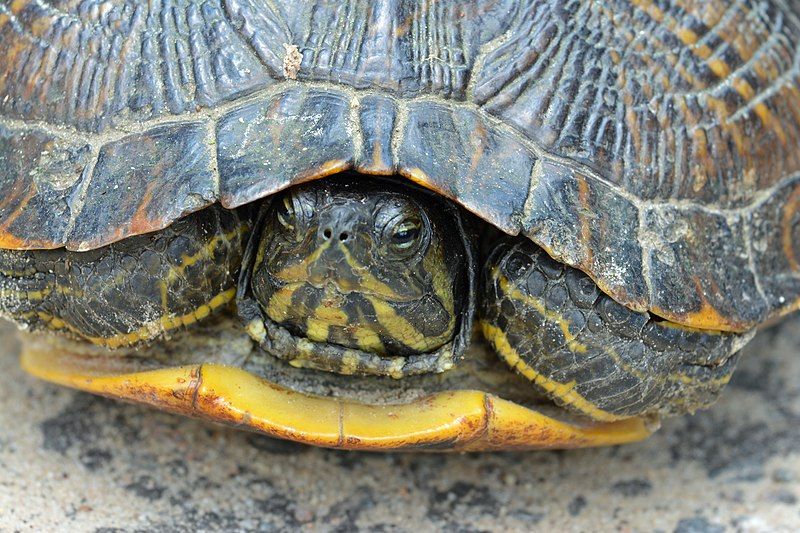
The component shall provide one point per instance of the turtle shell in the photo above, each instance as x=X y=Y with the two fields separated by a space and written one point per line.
x=655 y=146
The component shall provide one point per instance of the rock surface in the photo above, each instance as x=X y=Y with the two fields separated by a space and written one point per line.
x=74 y=462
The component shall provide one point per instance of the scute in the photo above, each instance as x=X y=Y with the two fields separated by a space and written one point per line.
x=289 y=137
x=39 y=173
x=165 y=174
x=586 y=223
x=654 y=146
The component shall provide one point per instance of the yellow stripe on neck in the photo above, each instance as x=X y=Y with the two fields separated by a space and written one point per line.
x=565 y=392
x=507 y=288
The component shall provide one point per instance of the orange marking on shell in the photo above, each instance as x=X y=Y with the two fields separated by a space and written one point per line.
x=419 y=177
x=702 y=51
x=747 y=92
x=18 y=5
x=633 y=126
x=12 y=242
x=686 y=35
x=719 y=68
x=744 y=88
x=477 y=139
x=706 y=317
x=376 y=167
x=140 y=222
x=21 y=203
x=377 y=155
x=327 y=168
x=686 y=75
x=769 y=122
x=652 y=10
x=735 y=134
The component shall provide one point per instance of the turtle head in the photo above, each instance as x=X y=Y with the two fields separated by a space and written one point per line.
x=352 y=265
x=354 y=242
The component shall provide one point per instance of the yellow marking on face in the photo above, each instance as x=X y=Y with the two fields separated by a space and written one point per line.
x=402 y=330
x=331 y=315
x=367 y=282
x=326 y=314
x=514 y=293
x=434 y=263
x=281 y=301
x=150 y=329
x=255 y=328
x=299 y=271
x=368 y=340
x=367 y=336
x=316 y=330
x=565 y=392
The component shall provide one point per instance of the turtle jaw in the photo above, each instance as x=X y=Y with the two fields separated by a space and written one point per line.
x=463 y=420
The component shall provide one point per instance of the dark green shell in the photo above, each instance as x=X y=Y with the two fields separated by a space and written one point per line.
x=654 y=146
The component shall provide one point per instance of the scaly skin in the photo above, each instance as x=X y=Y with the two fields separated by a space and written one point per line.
x=552 y=325
x=131 y=291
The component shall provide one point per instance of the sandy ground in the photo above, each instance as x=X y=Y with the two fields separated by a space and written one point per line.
x=73 y=462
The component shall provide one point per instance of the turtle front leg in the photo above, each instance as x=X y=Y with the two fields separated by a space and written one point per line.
x=554 y=326
x=132 y=291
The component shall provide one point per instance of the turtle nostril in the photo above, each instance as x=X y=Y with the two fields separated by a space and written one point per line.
x=343 y=236
x=327 y=233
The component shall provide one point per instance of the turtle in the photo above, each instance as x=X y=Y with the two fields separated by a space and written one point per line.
x=397 y=225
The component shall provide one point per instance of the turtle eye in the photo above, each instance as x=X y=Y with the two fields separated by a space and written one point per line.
x=405 y=234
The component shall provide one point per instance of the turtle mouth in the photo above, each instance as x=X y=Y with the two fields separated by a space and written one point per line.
x=213 y=371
